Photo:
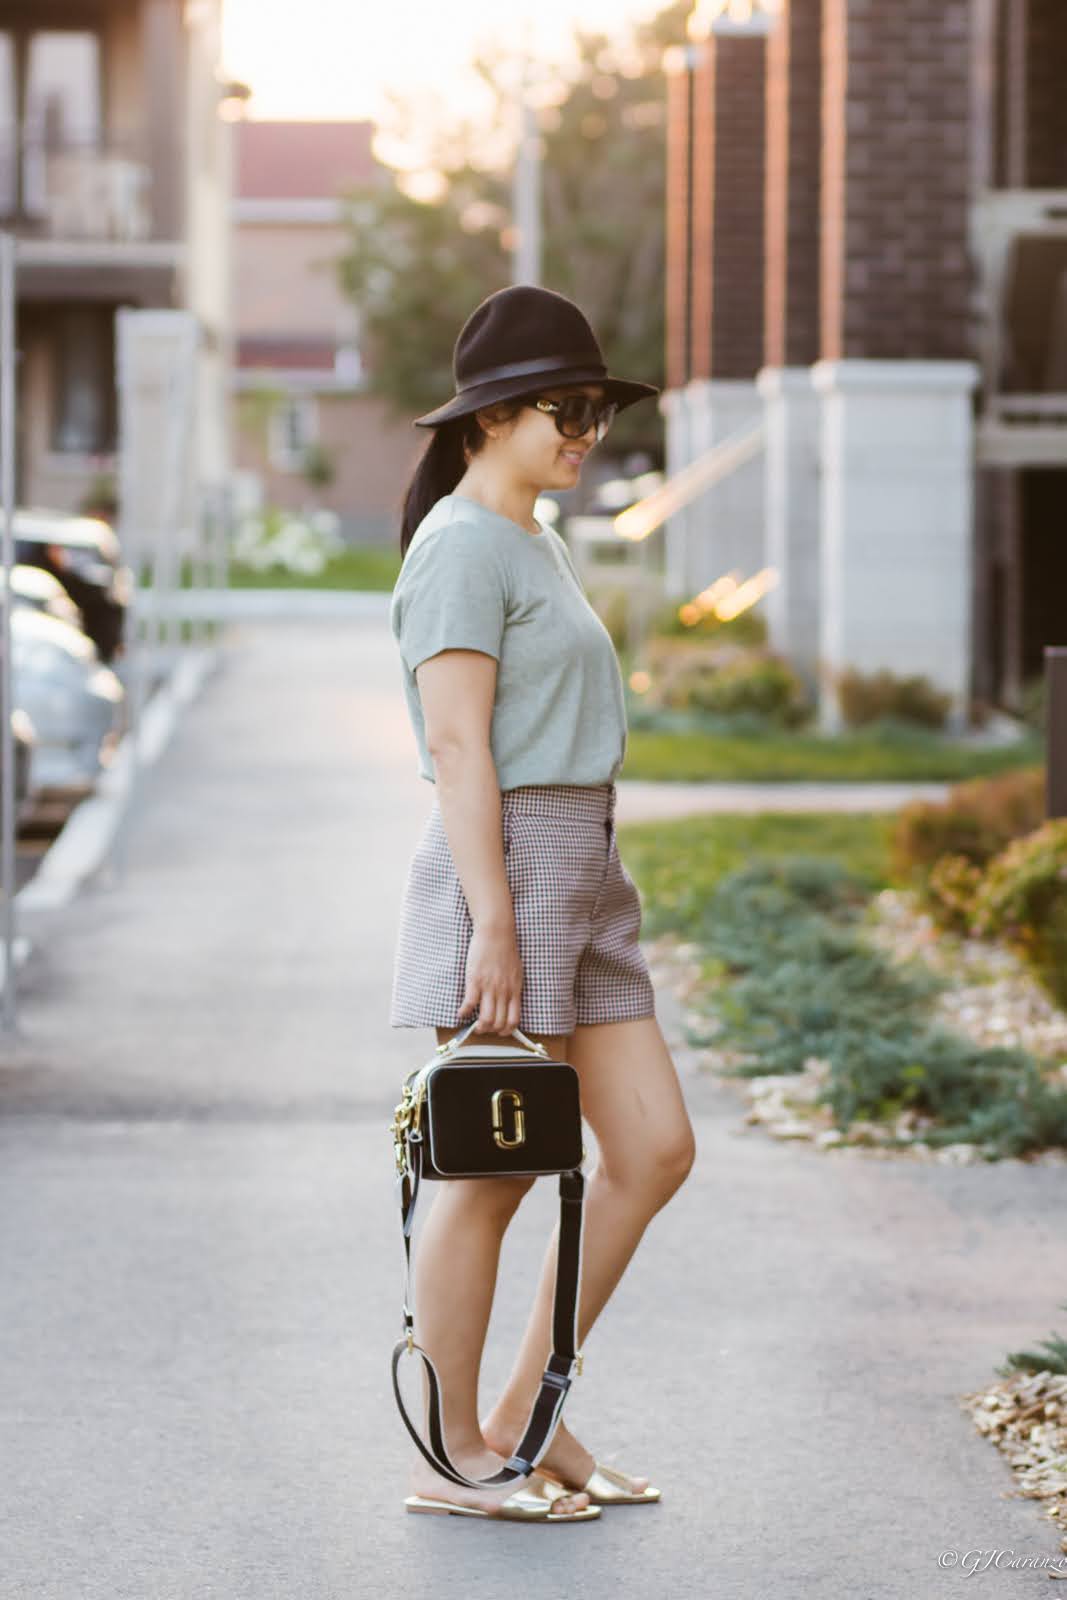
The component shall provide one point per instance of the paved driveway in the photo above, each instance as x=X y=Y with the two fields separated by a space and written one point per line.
x=202 y=1264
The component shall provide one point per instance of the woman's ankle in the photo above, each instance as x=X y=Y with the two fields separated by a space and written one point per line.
x=504 y=1422
x=466 y=1446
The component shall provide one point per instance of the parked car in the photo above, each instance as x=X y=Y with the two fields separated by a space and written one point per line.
x=33 y=586
x=23 y=739
x=75 y=703
x=83 y=554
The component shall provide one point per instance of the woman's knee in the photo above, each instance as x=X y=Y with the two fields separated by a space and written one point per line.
x=656 y=1166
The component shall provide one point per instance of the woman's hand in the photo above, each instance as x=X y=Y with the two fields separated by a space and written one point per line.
x=494 y=979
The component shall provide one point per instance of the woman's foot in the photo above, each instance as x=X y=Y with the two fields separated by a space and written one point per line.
x=565 y=1456
x=480 y=1464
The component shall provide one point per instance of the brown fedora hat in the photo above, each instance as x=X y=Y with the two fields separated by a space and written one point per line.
x=523 y=339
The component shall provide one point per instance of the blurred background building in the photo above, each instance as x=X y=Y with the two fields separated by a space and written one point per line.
x=115 y=176
x=306 y=425
x=867 y=268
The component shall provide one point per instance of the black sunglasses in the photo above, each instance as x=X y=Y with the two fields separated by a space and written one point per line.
x=576 y=413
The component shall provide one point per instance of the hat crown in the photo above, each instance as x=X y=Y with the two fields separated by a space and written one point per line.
x=523 y=324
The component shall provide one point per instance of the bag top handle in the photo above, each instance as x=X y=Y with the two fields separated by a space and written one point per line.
x=458 y=1039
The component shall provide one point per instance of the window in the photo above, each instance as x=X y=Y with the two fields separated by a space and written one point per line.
x=62 y=110
x=83 y=372
x=348 y=364
x=294 y=426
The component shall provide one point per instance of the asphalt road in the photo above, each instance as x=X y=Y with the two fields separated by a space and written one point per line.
x=202 y=1261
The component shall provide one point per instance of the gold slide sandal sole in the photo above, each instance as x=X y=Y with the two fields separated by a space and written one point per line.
x=524 y=1505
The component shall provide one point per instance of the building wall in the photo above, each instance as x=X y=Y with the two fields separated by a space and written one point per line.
x=1046 y=153
x=374 y=453
x=794 y=142
x=896 y=279
x=285 y=280
x=159 y=106
x=208 y=280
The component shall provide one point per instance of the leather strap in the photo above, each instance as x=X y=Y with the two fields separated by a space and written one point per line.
x=556 y=1380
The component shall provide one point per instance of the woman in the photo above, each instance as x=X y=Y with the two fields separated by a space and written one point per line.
x=517 y=906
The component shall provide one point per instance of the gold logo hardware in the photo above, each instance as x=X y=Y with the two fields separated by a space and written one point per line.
x=499 y=1136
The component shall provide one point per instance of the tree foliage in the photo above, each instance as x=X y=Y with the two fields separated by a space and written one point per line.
x=416 y=267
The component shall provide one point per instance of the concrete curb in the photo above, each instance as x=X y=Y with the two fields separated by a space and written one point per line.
x=642 y=800
x=83 y=843
x=257 y=605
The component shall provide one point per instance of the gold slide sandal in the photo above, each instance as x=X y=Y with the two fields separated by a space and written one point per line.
x=532 y=1503
x=606 y=1486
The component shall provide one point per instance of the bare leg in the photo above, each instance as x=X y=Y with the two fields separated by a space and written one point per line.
x=456 y=1264
x=633 y=1101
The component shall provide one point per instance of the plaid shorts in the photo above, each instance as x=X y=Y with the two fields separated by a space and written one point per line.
x=577 y=917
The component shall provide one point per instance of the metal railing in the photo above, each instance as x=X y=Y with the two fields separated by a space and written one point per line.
x=67 y=189
x=645 y=516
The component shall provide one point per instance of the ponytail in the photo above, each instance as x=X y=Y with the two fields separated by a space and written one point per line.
x=437 y=472
x=443 y=463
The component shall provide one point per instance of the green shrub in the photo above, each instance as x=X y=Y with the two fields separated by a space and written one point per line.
x=1050 y=1356
x=1023 y=900
x=978 y=819
x=809 y=985
x=869 y=697
x=950 y=891
x=762 y=683
x=749 y=627
x=724 y=681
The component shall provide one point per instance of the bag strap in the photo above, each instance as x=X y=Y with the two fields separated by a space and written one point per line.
x=556 y=1380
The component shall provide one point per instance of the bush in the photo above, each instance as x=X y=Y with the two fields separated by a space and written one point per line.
x=724 y=681
x=760 y=683
x=976 y=821
x=749 y=627
x=811 y=986
x=951 y=890
x=870 y=697
x=1023 y=900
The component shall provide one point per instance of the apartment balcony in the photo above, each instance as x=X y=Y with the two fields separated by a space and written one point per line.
x=88 y=220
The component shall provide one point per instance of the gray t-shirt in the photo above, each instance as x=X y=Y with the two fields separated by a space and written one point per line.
x=473 y=579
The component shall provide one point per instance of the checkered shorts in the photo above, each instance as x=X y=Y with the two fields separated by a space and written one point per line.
x=577 y=917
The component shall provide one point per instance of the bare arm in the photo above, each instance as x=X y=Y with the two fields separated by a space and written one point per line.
x=457 y=689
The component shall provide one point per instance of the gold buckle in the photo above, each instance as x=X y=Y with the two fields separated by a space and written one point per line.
x=400 y=1123
x=578 y=1359
x=406 y=1119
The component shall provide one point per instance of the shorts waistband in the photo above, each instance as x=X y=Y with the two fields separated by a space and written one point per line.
x=594 y=802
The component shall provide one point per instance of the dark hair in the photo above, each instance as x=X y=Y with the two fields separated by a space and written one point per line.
x=444 y=462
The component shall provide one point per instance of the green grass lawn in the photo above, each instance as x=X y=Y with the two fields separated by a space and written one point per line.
x=359 y=567
x=700 y=755
x=356 y=567
x=677 y=864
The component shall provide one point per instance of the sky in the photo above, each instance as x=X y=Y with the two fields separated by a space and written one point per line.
x=335 y=58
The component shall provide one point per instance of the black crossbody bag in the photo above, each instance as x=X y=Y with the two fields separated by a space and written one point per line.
x=494 y=1111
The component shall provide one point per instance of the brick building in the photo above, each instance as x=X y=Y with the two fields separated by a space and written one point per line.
x=867 y=274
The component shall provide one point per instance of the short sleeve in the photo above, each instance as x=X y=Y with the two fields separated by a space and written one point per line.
x=451 y=595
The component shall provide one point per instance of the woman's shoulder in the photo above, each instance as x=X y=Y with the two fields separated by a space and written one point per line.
x=450 y=533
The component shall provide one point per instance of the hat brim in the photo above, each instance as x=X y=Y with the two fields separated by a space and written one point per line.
x=624 y=391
